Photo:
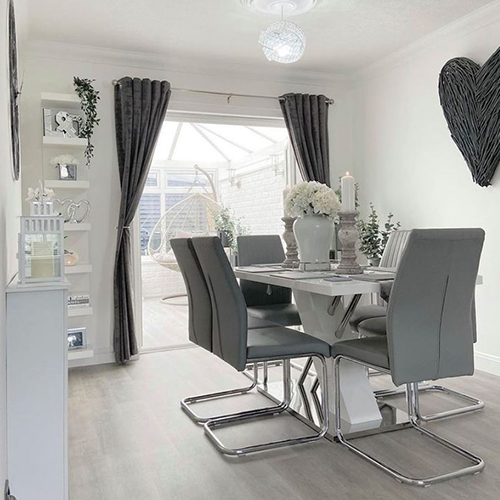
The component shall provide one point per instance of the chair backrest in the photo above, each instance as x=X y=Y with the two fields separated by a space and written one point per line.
x=229 y=311
x=262 y=249
x=200 y=306
x=429 y=320
x=395 y=248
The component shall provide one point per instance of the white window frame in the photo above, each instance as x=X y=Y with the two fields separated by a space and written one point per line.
x=292 y=176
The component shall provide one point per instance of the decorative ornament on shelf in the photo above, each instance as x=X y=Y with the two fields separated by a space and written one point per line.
x=470 y=98
x=74 y=212
x=89 y=97
x=315 y=205
x=282 y=41
x=67 y=165
x=70 y=258
x=78 y=212
x=40 y=200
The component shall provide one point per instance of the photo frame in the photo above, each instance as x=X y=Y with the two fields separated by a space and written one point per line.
x=77 y=338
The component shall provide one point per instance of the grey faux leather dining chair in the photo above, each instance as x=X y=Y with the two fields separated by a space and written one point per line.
x=391 y=257
x=234 y=343
x=200 y=320
x=428 y=331
x=268 y=302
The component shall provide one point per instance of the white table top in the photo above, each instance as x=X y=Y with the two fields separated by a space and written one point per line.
x=319 y=286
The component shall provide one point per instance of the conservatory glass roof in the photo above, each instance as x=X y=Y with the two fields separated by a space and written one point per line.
x=206 y=142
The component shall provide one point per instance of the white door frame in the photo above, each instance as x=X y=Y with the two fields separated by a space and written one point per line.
x=179 y=115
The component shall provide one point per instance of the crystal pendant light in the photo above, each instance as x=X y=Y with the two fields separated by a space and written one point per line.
x=283 y=42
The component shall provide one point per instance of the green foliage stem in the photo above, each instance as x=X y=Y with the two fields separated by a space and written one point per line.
x=89 y=97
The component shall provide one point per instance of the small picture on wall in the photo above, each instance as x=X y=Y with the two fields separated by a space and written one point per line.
x=77 y=338
x=60 y=123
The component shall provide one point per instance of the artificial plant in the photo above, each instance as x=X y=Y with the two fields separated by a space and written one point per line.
x=226 y=222
x=373 y=239
x=89 y=97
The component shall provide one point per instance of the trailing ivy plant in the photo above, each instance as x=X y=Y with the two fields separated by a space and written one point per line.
x=89 y=97
x=372 y=238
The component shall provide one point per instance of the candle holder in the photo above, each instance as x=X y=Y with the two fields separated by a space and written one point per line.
x=292 y=254
x=348 y=235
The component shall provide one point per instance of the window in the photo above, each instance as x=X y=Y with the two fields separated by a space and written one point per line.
x=164 y=189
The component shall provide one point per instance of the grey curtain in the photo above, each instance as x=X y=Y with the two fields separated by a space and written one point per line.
x=306 y=118
x=140 y=108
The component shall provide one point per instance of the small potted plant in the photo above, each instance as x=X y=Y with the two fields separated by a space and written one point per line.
x=373 y=239
x=228 y=227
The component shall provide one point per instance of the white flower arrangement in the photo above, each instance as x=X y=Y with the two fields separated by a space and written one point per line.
x=64 y=160
x=312 y=198
x=40 y=194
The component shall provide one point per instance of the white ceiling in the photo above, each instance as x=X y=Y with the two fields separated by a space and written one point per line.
x=343 y=36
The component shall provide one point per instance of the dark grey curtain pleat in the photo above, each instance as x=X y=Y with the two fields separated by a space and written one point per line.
x=306 y=118
x=140 y=108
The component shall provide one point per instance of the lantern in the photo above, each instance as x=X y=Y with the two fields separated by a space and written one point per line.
x=41 y=249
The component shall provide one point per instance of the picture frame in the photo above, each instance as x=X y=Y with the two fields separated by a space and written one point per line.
x=77 y=338
x=68 y=171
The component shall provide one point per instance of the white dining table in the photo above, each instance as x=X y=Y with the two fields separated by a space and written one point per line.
x=324 y=309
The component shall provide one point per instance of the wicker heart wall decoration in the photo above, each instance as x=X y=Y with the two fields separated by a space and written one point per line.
x=470 y=98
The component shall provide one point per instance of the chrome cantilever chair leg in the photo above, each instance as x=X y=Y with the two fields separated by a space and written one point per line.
x=282 y=407
x=412 y=399
x=475 y=404
x=187 y=402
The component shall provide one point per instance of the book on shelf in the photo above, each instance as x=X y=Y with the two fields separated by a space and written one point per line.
x=80 y=300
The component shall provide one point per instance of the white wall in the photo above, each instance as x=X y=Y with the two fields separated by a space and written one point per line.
x=10 y=208
x=257 y=199
x=51 y=67
x=407 y=163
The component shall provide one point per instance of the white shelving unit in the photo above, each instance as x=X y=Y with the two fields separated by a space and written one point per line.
x=65 y=142
x=80 y=354
x=72 y=227
x=78 y=269
x=82 y=185
x=80 y=311
x=77 y=233
x=54 y=99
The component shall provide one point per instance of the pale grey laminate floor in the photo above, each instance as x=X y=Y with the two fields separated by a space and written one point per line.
x=156 y=314
x=129 y=440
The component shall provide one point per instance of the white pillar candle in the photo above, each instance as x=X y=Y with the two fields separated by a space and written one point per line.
x=347 y=184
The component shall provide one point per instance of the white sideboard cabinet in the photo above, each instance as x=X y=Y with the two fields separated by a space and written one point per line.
x=37 y=387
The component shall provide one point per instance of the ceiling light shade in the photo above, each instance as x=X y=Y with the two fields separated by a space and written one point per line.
x=283 y=42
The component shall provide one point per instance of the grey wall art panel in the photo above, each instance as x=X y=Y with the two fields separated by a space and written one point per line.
x=470 y=98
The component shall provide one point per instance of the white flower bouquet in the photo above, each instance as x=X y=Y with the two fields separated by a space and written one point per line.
x=64 y=160
x=40 y=194
x=312 y=198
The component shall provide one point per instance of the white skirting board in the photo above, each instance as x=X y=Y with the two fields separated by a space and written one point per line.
x=487 y=363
